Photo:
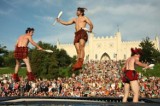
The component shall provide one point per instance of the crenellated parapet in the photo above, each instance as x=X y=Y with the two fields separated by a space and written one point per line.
x=105 y=38
x=124 y=42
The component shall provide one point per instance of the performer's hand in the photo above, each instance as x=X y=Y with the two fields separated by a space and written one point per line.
x=39 y=48
x=90 y=31
x=147 y=67
x=58 y=20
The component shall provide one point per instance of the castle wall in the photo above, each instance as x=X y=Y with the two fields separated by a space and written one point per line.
x=113 y=46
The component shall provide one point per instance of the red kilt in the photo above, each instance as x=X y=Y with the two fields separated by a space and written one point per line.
x=129 y=75
x=81 y=34
x=21 y=52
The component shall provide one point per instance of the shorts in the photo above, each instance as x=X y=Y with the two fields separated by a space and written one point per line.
x=81 y=34
x=130 y=75
x=21 y=52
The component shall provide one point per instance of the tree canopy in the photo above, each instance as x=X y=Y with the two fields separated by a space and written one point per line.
x=49 y=65
x=150 y=54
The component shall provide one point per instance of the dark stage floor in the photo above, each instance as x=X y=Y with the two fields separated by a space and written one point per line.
x=71 y=101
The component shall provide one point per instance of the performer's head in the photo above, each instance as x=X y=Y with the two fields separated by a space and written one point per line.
x=136 y=52
x=30 y=31
x=80 y=11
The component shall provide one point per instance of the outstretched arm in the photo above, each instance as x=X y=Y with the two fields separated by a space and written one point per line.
x=90 y=24
x=141 y=64
x=65 y=23
x=33 y=43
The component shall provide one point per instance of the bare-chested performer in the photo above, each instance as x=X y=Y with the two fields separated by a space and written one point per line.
x=130 y=77
x=21 y=53
x=81 y=36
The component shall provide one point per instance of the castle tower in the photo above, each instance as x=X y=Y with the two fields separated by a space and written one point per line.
x=57 y=43
x=157 y=42
x=119 y=43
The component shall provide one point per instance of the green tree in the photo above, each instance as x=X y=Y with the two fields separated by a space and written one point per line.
x=3 y=49
x=9 y=60
x=49 y=65
x=44 y=64
x=150 y=54
x=1 y=61
x=63 y=58
x=3 y=52
x=64 y=63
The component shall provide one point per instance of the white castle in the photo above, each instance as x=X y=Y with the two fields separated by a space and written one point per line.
x=105 y=48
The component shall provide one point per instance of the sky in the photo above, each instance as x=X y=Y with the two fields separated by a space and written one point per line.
x=136 y=19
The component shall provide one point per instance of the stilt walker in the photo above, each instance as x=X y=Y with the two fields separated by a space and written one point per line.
x=81 y=36
x=21 y=53
x=130 y=77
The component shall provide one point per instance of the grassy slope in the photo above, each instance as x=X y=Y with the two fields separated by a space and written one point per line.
x=7 y=70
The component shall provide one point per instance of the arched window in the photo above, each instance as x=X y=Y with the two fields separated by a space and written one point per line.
x=105 y=56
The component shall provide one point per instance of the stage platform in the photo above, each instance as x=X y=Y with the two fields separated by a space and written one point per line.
x=75 y=101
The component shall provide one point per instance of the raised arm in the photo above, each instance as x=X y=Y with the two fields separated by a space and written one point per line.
x=89 y=23
x=66 y=23
x=33 y=43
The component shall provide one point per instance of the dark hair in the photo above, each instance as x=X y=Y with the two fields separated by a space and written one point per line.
x=82 y=10
x=136 y=51
x=29 y=30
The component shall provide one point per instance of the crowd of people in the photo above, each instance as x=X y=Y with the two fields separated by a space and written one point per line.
x=96 y=79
